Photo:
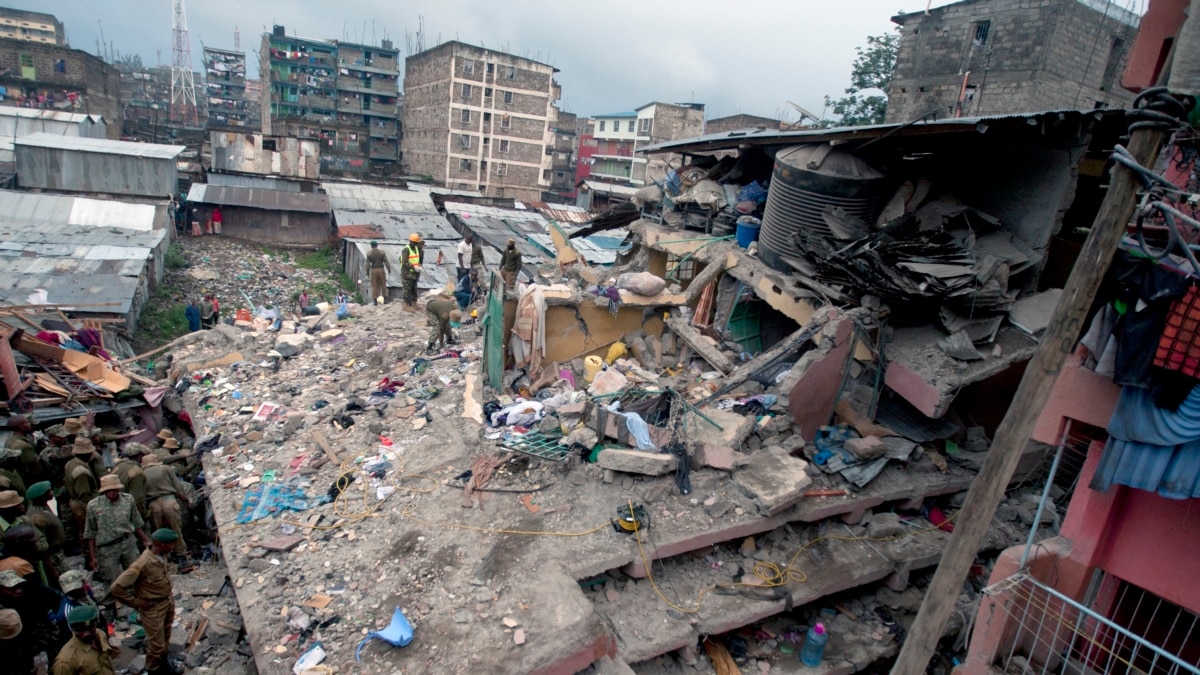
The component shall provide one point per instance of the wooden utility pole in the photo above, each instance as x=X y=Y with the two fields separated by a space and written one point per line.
x=1011 y=437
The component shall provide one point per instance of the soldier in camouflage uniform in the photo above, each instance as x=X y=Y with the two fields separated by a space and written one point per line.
x=112 y=529
x=12 y=515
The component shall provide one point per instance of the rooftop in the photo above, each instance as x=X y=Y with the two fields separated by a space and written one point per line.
x=55 y=115
x=612 y=115
x=258 y=198
x=101 y=145
x=451 y=44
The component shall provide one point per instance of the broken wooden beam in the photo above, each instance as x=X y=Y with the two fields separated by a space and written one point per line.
x=710 y=272
x=700 y=344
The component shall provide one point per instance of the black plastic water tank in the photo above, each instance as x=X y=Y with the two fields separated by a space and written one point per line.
x=807 y=178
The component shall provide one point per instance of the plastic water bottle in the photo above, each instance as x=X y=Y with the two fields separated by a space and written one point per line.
x=814 y=646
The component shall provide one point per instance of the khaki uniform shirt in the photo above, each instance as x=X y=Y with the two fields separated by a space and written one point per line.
x=44 y=519
x=107 y=521
x=376 y=258
x=80 y=482
x=81 y=658
x=512 y=260
x=161 y=481
x=148 y=580
x=134 y=480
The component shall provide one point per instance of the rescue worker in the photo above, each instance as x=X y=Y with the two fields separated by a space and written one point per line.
x=510 y=265
x=440 y=312
x=164 y=491
x=463 y=254
x=88 y=652
x=43 y=518
x=129 y=470
x=80 y=481
x=14 y=653
x=146 y=586
x=378 y=266
x=33 y=545
x=112 y=528
x=410 y=270
x=76 y=593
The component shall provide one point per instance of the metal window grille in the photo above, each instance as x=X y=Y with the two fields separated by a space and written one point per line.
x=1056 y=634
x=982 y=28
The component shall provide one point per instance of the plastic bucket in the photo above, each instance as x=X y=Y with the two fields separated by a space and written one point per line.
x=747 y=230
x=591 y=366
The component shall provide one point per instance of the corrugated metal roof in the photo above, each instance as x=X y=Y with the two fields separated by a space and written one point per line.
x=55 y=115
x=732 y=139
x=79 y=250
x=562 y=213
x=364 y=197
x=397 y=226
x=610 y=188
x=83 y=219
x=479 y=210
x=259 y=198
x=432 y=274
x=101 y=145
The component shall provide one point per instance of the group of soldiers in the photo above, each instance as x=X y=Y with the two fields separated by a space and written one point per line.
x=123 y=511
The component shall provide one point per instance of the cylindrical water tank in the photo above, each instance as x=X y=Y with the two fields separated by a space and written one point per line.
x=807 y=178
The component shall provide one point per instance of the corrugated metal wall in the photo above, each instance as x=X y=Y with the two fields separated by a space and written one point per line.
x=95 y=172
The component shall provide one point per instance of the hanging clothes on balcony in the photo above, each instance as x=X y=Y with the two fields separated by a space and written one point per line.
x=1152 y=448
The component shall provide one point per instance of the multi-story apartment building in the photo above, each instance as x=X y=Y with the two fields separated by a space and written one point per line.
x=998 y=57
x=480 y=119
x=345 y=95
x=225 y=95
x=565 y=147
x=618 y=136
x=19 y=24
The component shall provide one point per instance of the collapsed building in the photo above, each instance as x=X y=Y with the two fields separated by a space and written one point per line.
x=780 y=425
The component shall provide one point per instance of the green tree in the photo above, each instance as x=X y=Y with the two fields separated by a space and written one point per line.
x=866 y=100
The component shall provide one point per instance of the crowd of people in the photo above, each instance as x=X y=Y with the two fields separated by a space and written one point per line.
x=193 y=220
x=89 y=529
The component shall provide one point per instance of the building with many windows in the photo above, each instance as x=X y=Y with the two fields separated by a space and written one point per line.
x=19 y=24
x=225 y=91
x=345 y=95
x=480 y=119
x=618 y=136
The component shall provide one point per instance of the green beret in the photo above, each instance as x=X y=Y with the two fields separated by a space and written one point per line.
x=37 y=490
x=82 y=614
x=165 y=535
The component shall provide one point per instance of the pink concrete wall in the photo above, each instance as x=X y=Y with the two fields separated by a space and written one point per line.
x=1079 y=394
x=811 y=401
x=1162 y=21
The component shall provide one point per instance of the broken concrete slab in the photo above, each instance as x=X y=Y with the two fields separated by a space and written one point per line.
x=773 y=479
x=1032 y=313
x=721 y=457
x=608 y=381
x=871 y=447
x=637 y=461
x=734 y=431
x=817 y=376
x=701 y=345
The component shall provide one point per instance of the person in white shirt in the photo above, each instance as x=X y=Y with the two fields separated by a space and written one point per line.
x=464 y=257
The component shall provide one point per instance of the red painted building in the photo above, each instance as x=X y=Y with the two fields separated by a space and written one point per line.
x=588 y=147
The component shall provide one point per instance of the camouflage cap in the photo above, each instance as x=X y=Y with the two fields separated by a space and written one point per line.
x=9 y=578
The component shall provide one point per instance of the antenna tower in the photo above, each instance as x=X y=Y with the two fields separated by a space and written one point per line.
x=237 y=39
x=183 y=87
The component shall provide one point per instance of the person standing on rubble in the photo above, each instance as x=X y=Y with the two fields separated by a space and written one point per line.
x=477 y=262
x=379 y=266
x=43 y=518
x=441 y=312
x=192 y=313
x=129 y=470
x=511 y=264
x=80 y=481
x=164 y=491
x=464 y=257
x=146 y=586
x=111 y=530
x=410 y=270
x=207 y=312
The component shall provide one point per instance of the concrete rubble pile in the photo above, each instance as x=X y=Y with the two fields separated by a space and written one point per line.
x=356 y=473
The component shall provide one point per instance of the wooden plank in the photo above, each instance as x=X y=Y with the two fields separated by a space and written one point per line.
x=987 y=490
x=700 y=345
x=323 y=443
x=143 y=355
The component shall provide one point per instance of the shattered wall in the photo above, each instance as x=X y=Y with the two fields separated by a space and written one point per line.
x=576 y=331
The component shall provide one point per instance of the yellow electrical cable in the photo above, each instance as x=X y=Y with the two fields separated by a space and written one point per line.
x=769 y=573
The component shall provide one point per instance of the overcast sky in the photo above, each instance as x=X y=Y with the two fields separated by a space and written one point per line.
x=739 y=56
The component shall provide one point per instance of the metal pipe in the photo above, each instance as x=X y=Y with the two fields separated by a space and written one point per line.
x=1037 y=518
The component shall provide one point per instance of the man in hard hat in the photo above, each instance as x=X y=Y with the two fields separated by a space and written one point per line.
x=378 y=266
x=146 y=587
x=410 y=269
x=112 y=529
x=510 y=264
x=89 y=650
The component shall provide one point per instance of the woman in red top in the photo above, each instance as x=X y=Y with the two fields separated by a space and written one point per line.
x=217 y=219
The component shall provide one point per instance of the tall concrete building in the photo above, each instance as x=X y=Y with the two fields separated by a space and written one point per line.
x=342 y=94
x=618 y=137
x=225 y=95
x=479 y=119
x=19 y=24
x=992 y=57
x=565 y=147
